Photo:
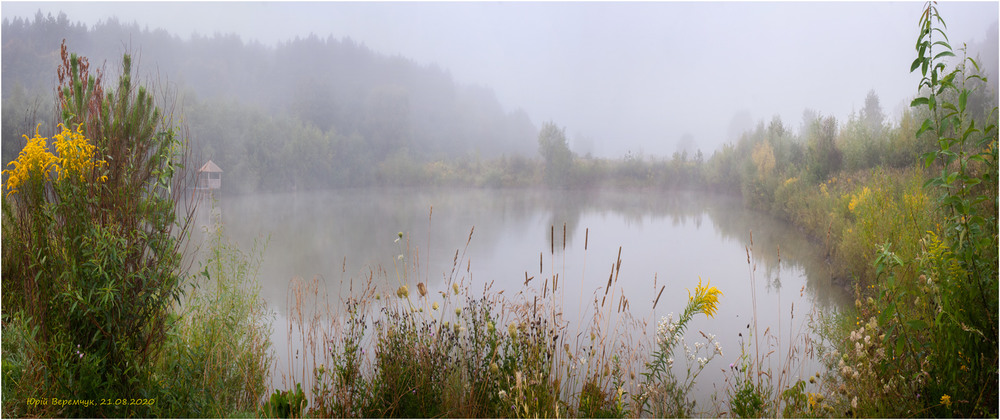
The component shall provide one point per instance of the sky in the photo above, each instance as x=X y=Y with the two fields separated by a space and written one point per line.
x=619 y=77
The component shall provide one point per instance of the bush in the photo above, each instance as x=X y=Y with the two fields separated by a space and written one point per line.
x=91 y=255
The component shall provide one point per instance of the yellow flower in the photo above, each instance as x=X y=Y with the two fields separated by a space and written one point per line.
x=946 y=400
x=402 y=292
x=859 y=199
x=705 y=299
x=435 y=306
x=34 y=160
x=76 y=154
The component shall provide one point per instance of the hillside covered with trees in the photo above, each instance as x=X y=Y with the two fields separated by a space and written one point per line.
x=308 y=113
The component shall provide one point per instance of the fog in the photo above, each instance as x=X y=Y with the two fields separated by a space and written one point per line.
x=640 y=77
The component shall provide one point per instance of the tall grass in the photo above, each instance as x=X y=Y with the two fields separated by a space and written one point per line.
x=399 y=344
x=217 y=360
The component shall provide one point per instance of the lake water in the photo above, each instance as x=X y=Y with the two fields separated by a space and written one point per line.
x=664 y=238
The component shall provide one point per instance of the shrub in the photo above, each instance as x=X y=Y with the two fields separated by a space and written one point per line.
x=91 y=256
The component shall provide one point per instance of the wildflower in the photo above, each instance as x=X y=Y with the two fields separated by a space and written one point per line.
x=76 y=154
x=512 y=329
x=946 y=400
x=34 y=160
x=705 y=299
x=702 y=362
x=718 y=348
x=435 y=306
x=503 y=394
x=454 y=286
x=398 y=237
x=458 y=311
x=495 y=369
x=422 y=289
x=854 y=402
x=489 y=327
x=403 y=292
x=666 y=330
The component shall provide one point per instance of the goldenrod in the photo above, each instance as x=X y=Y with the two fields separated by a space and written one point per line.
x=705 y=299
x=34 y=161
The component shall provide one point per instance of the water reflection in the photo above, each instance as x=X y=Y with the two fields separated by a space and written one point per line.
x=665 y=239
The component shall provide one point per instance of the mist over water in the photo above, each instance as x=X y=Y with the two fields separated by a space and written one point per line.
x=666 y=239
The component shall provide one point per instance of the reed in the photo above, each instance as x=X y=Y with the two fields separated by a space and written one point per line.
x=382 y=351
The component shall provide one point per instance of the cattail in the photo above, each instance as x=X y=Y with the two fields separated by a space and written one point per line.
x=658 y=296
x=619 y=266
x=540 y=254
x=564 y=236
x=552 y=239
x=610 y=277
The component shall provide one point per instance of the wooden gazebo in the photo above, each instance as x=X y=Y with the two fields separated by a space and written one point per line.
x=209 y=176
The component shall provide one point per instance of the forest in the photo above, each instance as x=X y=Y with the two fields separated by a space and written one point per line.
x=308 y=114
x=95 y=270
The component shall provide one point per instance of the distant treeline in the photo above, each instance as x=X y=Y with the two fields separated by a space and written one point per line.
x=324 y=113
x=308 y=113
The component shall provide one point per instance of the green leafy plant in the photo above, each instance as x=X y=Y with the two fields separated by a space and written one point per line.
x=286 y=404
x=966 y=171
x=92 y=243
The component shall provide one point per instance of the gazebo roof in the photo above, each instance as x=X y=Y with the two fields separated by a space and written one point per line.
x=210 y=167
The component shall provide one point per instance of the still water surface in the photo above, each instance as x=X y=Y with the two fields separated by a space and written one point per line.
x=664 y=238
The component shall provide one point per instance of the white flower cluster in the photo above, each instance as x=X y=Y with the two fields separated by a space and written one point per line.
x=666 y=331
